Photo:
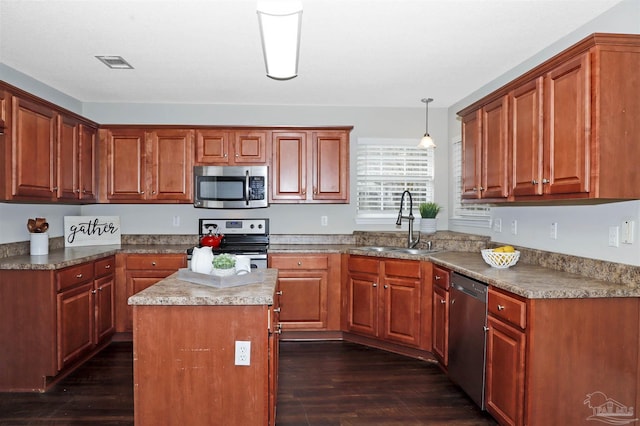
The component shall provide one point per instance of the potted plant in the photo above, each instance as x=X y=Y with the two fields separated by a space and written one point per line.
x=224 y=265
x=428 y=213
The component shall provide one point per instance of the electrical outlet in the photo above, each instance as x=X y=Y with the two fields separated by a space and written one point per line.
x=553 y=231
x=243 y=352
x=497 y=225
x=627 y=231
x=324 y=220
x=514 y=227
x=614 y=236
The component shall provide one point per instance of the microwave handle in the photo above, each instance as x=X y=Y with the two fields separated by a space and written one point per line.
x=247 y=188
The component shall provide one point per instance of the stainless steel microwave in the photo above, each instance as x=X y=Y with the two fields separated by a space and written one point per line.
x=230 y=187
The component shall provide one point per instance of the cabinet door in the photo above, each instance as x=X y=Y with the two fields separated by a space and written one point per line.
x=362 y=315
x=505 y=372
x=471 y=155
x=126 y=166
x=303 y=302
x=136 y=282
x=105 y=307
x=527 y=138
x=75 y=323
x=495 y=150
x=289 y=168
x=33 y=138
x=441 y=325
x=212 y=146
x=87 y=166
x=250 y=147
x=567 y=155
x=171 y=173
x=67 y=158
x=401 y=310
x=330 y=162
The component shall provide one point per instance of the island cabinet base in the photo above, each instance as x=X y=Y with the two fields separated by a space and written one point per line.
x=184 y=365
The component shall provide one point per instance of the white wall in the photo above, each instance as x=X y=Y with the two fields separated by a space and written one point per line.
x=13 y=219
x=582 y=229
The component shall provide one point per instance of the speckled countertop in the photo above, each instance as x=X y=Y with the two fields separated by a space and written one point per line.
x=531 y=281
x=61 y=258
x=174 y=291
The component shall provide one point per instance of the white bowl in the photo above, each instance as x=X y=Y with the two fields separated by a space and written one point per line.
x=500 y=260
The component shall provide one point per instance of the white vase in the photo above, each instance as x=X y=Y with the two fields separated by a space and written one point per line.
x=39 y=244
x=427 y=226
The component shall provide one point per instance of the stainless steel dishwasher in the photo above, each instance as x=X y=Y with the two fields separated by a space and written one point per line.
x=467 y=335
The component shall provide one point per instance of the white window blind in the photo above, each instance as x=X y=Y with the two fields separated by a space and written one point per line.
x=385 y=169
x=469 y=211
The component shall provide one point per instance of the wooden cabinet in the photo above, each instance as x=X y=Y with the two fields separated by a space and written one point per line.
x=231 y=147
x=147 y=165
x=546 y=357
x=568 y=120
x=485 y=152
x=45 y=151
x=310 y=166
x=68 y=314
x=142 y=271
x=440 y=333
x=309 y=290
x=384 y=300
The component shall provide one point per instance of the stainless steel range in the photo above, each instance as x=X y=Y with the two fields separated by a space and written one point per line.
x=248 y=237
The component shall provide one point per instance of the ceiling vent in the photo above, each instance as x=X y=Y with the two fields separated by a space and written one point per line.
x=115 y=62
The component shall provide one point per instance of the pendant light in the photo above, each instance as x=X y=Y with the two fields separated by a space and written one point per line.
x=426 y=142
x=280 y=23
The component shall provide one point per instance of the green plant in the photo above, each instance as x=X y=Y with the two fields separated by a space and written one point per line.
x=224 y=261
x=429 y=210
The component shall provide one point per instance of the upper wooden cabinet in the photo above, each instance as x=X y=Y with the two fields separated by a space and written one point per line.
x=48 y=152
x=570 y=124
x=310 y=166
x=146 y=165
x=229 y=147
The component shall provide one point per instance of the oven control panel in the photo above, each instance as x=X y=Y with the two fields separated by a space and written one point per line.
x=235 y=226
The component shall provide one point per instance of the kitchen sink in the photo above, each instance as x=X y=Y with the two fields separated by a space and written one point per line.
x=377 y=248
x=414 y=251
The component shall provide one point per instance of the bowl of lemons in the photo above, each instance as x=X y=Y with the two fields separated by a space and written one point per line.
x=501 y=257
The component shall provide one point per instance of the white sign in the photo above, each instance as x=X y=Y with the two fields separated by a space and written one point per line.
x=91 y=230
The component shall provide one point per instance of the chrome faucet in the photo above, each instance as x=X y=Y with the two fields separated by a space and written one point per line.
x=411 y=243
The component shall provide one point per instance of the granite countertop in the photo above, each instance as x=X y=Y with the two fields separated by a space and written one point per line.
x=531 y=281
x=62 y=258
x=174 y=291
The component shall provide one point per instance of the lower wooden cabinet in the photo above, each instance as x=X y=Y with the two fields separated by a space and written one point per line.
x=385 y=300
x=139 y=271
x=440 y=333
x=64 y=317
x=309 y=290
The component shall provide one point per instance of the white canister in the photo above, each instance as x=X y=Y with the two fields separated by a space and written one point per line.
x=39 y=243
x=243 y=265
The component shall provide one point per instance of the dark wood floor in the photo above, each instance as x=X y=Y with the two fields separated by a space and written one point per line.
x=327 y=383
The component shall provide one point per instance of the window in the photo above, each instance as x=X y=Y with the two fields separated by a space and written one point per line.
x=385 y=169
x=476 y=215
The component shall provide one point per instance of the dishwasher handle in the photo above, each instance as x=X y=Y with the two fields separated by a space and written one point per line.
x=480 y=295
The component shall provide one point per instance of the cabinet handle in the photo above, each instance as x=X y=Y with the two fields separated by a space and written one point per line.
x=375 y=284
x=278 y=331
x=299 y=263
x=107 y=267
x=436 y=277
x=315 y=191
x=545 y=180
x=442 y=301
x=276 y=310
x=142 y=192
x=474 y=188
x=153 y=263
x=79 y=276
x=153 y=192
x=534 y=182
x=500 y=308
x=93 y=292
x=279 y=293
x=54 y=189
x=481 y=189
x=225 y=155
x=99 y=288
x=386 y=286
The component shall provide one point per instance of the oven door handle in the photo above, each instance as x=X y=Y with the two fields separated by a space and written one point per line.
x=247 y=188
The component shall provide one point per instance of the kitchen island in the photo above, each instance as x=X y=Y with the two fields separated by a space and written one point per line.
x=186 y=368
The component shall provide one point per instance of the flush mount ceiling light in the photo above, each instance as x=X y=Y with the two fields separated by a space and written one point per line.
x=115 y=62
x=280 y=23
x=426 y=141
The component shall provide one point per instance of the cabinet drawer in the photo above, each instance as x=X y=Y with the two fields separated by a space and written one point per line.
x=299 y=262
x=402 y=268
x=363 y=264
x=156 y=261
x=441 y=277
x=73 y=275
x=105 y=266
x=508 y=308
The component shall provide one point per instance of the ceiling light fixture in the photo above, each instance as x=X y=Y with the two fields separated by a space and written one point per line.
x=280 y=24
x=115 y=62
x=426 y=141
